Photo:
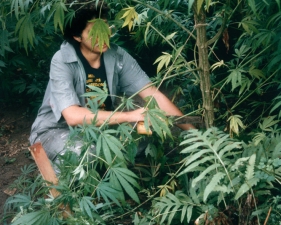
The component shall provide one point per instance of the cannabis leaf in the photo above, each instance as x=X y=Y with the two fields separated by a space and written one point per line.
x=108 y=144
x=130 y=15
x=99 y=33
x=163 y=60
x=25 y=30
x=158 y=121
x=122 y=178
x=234 y=124
x=171 y=204
x=97 y=95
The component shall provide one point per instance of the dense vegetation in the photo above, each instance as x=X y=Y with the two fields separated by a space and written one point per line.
x=218 y=59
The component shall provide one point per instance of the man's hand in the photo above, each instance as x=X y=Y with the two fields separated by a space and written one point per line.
x=165 y=104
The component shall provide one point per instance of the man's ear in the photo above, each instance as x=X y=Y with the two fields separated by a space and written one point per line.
x=77 y=38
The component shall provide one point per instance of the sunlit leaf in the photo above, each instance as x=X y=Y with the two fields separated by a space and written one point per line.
x=130 y=15
x=217 y=65
x=235 y=123
x=163 y=60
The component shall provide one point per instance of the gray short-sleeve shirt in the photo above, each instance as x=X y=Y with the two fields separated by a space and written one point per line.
x=68 y=82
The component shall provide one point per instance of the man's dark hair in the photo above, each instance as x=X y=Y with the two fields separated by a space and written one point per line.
x=84 y=13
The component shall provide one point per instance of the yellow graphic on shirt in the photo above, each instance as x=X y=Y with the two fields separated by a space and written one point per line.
x=97 y=82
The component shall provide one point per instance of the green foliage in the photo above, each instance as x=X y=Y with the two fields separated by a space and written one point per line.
x=101 y=32
x=169 y=205
x=216 y=177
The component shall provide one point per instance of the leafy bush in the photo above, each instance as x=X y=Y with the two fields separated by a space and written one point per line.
x=218 y=178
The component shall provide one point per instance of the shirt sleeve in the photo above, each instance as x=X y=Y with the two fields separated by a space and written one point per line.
x=62 y=88
x=131 y=78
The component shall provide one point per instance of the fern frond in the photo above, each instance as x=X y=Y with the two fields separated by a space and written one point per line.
x=196 y=156
x=246 y=187
x=213 y=183
x=230 y=146
x=277 y=151
x=196 y=165
x=250 y=168
x=204 y=173
x=239 y=162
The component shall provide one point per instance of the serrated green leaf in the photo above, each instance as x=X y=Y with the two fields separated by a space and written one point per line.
x=25 y=30
x=146 y=32
x=229 y=147
x=157 y=119
x=59 y=15
x=277 y=105
x=170 y=36
x=256 y=73
x=204 y=173
x=268 y=122
x=100 y=33
x=196 y=164
x=250 y=167
x=193 y=147
x=213 y=183
x=38 y=217
x=105 y=191
x=106 y=151
x=87 y=206
x=252 y=5
x=245 y=187
x=196 y=156
x=125 y=181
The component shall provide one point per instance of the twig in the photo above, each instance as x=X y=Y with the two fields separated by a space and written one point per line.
x=267 y=217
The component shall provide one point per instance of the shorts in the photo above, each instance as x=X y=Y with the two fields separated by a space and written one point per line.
x=54 y=142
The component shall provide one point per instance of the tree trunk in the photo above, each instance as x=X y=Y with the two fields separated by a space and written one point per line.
x=203 y=65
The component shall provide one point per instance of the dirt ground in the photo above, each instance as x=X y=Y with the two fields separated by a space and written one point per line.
x=15 y=123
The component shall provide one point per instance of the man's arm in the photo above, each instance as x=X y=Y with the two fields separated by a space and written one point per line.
x=165 y=104
x=75 y=115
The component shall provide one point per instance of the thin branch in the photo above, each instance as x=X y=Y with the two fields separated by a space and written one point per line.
x=267 y=217
x=166 y=15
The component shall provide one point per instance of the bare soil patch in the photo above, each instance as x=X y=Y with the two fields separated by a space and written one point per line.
x=15 y=124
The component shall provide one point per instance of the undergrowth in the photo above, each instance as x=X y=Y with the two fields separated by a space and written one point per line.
x=207 y=177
